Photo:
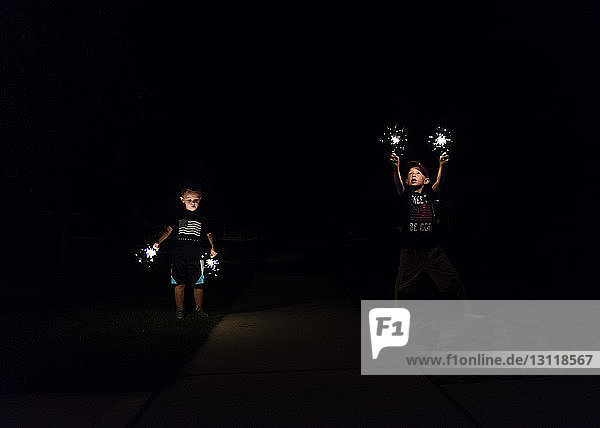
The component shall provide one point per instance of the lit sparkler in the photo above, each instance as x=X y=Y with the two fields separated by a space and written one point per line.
x=146 y=255
x=441 y=141
x=211 y=265
x=395 y=136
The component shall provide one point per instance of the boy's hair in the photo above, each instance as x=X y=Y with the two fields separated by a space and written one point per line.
x=190 y=187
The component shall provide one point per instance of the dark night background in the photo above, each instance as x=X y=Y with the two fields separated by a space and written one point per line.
x=108 y=106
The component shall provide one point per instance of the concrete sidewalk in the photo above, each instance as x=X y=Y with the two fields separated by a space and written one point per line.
x=299 y=364
x=294 y=365
x=289 y=356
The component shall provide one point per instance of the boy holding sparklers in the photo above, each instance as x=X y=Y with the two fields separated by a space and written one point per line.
x=187 y=268
x=421 y=251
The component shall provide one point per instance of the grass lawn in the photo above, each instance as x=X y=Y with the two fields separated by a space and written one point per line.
x=105 y=334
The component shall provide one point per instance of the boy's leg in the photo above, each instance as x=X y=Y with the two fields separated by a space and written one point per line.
x=179 y=294
x=409 y=269
x=178 y=282
x=198 y=296
x=443 y=273
x=199 y=289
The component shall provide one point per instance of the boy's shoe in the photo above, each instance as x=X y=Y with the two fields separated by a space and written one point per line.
x=201 y=313
x=179 y=314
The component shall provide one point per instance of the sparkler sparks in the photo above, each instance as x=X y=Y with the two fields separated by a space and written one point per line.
x=441 y=141
x=211 y=265
x=150 y=253
x=146 y=255
x=395 y=137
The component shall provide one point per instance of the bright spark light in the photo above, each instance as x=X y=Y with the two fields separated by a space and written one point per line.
x=395 y=137
x=441 y=141
x=211 y=265
x=146 y=255
x=150 y=253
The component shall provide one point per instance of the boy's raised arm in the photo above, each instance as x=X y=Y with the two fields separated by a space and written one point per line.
x=444 y=159
x=395 y=160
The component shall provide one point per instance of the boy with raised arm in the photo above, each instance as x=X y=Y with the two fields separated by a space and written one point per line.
x=421 y=251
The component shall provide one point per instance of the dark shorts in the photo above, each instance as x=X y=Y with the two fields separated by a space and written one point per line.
x=187 y=269
x=433 y=262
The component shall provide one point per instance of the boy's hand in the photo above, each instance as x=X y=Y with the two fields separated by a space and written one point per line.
x=213 y=252
x=444 y=158
x=395 y=160
x=155 y=246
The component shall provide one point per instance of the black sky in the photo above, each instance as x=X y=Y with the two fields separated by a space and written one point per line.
x=276 y=110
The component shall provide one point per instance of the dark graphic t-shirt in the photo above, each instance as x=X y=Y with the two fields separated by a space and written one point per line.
x=419 y=219
x=189 y=231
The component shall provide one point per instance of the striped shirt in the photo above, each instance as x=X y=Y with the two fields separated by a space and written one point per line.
x=419 y=231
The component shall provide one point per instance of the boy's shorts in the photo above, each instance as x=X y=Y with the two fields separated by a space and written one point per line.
x=433 y=262
x=187 y=270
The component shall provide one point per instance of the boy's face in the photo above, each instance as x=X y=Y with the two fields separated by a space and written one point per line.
x=191 y=200
x=415 y=178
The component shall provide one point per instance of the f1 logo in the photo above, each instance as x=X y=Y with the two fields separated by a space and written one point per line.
x=389 y=327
